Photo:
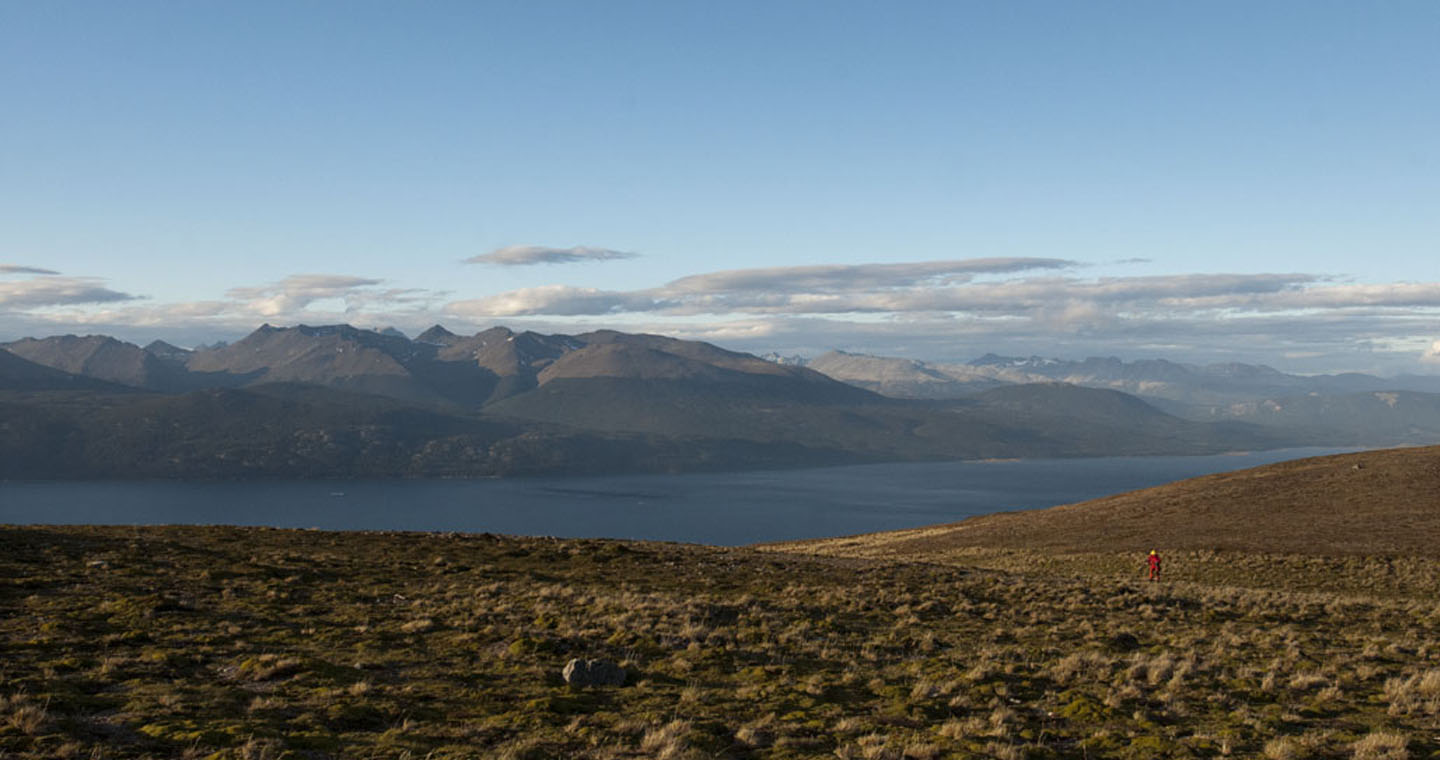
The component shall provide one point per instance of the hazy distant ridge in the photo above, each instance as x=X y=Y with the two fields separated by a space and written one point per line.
x=338 y=401
x=1156 y=378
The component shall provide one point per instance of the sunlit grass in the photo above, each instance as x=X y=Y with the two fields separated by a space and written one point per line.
x=250 y=643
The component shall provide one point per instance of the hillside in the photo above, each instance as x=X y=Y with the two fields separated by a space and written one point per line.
x=252 y=643
x=1028 y=421
x=1368 y=503
x=1378 y=417
x=103 y=358
x=19 y=374
x=301 y=431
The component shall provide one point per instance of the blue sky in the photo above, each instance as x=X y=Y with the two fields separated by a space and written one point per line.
x=1203 y=181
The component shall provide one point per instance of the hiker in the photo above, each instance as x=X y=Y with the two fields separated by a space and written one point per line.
x=1154 y=560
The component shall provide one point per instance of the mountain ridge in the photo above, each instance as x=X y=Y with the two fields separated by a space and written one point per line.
x=1200 y=385
x=393 y=406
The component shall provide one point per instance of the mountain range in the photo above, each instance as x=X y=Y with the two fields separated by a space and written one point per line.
x=339 y=401
x=1341 y=409
x=1176 y=385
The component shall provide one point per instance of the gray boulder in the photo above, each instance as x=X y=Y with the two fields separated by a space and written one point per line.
x=593 y=673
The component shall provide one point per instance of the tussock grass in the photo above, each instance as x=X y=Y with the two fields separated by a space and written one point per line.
x=232 y=643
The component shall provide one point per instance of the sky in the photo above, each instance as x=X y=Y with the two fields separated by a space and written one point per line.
x=1206 y=182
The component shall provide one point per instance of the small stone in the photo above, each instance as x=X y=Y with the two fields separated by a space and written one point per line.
x=580 y=672
x=1123 y=642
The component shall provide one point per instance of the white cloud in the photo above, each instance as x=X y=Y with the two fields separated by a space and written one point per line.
x=941 y=310
x=554 y=300
x=46 y=305
x=296 y=292
x=945 y=310
x=883 y=289
x=1431 y=355
x=529 y=255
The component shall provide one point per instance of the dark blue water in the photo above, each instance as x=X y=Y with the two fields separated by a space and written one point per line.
x=725 y=508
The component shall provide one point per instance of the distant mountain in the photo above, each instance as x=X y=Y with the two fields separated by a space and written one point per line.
x=102 y=358
x=907 y=378
x=1025 y=421
x=346 y=358
x=1374 y=418
x=791 y=359
x=167 y=352
x=514 y=359
x=286 y=430
x=438 y=367
x=335 y=400
x=1096 y=419
x=437 y=335
x=1182 y=385
x=19 y=374
x=1194 y=384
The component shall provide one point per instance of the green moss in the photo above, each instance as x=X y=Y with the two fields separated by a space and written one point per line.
x=1083 y=708
x=187 y=732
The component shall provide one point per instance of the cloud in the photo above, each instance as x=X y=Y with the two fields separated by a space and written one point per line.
x=851 y=278
x=17 y=269
x=889 y=288
x=296 y=292
x=949 y=310
x=529 y=255
x=44 y=292
x=955 y=310
x=41 y=307
x=1431 y=354
x=554 y=300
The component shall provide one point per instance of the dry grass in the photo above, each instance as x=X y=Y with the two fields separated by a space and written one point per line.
x=1369 y=503
x=229 y=643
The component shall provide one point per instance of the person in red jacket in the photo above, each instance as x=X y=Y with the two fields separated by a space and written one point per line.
x=1154 y=560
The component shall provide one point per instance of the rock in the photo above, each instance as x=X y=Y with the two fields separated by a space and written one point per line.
x=1123 y=642
x=580 y=672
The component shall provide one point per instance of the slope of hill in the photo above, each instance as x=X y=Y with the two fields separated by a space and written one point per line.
x=285 y=430
x=1368 y=503
x=103 y=358
x=1379 y=417
x=142 y=642
x=1050 y=420
x=19 y=374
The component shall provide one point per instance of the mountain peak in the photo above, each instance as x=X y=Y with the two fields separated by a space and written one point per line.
x=437 y=335
x=162 y=350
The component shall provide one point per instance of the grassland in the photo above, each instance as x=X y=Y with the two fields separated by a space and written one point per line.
x=253 y=643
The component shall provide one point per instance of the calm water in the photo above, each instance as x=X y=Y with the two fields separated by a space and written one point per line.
x=727 y=508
